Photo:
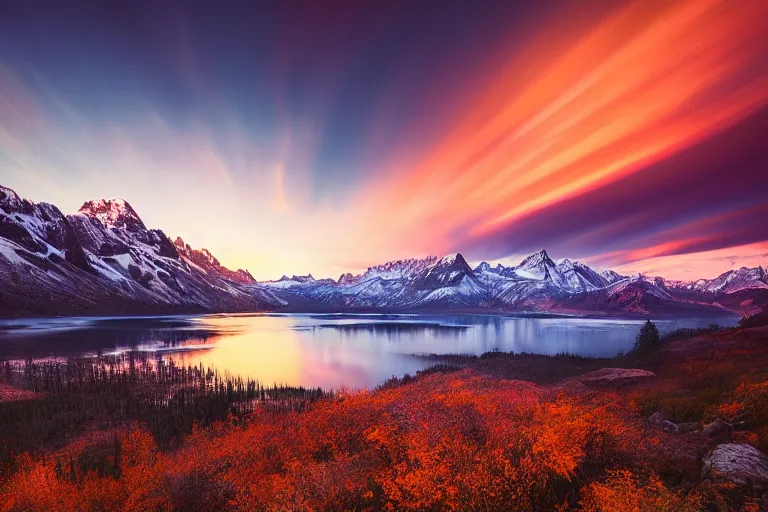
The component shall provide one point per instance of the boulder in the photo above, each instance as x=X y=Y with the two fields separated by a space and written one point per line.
x=736 y=463
x=657 y=420
x=615 y=376
x=717 y=428
x=685 y=428
x=669 y=427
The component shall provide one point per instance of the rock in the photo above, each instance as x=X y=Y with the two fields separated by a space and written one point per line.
x=657 y=420
x=615 y=376
x=685 y=428
x=717 y=428
x=736 y=463
x=572 y=387
x=669 y=427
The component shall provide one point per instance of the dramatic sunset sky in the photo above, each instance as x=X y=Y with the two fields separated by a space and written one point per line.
x=296 y=137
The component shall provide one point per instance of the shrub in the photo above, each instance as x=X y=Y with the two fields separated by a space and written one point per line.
x=623 y=492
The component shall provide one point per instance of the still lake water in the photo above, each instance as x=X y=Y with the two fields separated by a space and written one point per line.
x=326 y=350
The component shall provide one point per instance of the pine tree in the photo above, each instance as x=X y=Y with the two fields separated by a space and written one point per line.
x=648 y=339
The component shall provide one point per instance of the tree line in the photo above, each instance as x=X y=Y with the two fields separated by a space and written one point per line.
x=115 y=390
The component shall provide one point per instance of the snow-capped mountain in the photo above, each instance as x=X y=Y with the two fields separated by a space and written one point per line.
x=612 y=277
x=636 y=295
x=208 y=262
x=103 y=259
x=728 y=282
x=414 y=283
x=448 y=283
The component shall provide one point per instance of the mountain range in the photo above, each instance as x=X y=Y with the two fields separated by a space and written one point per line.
x=103 y=260
x=537 y=285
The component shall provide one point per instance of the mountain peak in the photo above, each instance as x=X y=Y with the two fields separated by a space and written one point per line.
x=180 y=243
x=451 y=259
x=537 y=259
x=612 y=277
x=483 y=267
x=113 y=213
x=346 y=278
x=9 y=200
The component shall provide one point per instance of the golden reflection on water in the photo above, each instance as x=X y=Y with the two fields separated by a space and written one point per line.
x=270 y=355
x=330 y=351
x=279 y=350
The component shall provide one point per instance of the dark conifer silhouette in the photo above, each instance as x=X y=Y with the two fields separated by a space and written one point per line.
x=648 y=339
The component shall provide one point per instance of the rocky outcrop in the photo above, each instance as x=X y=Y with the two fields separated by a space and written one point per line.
x=657 y=420
x=717 y=428
x=615 y=376
x=208 y=262
x=737 y=463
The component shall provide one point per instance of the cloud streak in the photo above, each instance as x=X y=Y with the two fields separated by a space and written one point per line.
x=628 y=139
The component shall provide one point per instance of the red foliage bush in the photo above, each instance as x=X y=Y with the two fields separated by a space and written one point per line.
x=445 y=442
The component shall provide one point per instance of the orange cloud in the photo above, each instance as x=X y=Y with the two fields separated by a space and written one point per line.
x=649 y=81
x=702 y=264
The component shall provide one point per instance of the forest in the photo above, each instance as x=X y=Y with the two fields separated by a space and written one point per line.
x=131 y=435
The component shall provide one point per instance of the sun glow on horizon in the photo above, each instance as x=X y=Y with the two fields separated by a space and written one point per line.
x=536 y=125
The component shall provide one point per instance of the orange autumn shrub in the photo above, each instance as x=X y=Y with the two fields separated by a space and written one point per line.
x=625 y=492
x=445 y=442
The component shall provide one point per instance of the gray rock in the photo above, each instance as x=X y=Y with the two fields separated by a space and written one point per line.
x=615 y=376
x=656 y=419
x=685 y=428
x=716 y=428
x=669 y=427
x=737 y=463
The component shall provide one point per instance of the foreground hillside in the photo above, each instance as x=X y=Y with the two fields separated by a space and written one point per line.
x=461 y=439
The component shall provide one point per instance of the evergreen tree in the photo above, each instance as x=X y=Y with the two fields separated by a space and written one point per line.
x=648 y=339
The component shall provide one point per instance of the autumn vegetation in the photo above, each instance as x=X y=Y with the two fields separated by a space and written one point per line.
x=458 y=437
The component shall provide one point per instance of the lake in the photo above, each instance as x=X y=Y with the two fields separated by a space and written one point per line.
x=326 y=350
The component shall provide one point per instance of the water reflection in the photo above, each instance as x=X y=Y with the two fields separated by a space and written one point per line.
x=333 y=350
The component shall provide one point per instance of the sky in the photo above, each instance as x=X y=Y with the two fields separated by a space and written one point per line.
x=295 y=137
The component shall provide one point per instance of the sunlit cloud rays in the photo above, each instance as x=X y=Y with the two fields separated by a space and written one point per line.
x=643 y=85
x=296 y=161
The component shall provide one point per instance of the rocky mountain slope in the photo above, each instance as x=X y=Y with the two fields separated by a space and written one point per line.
x=537 y=284
x=104 y=260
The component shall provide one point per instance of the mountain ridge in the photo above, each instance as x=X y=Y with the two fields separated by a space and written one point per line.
x=103 y=259
x=537 y=284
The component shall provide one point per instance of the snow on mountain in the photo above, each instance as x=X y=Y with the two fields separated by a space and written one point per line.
x=205 y=260
x=410 y=283
x=579 y=277
x=728 y=282
x=540 y=267
x=483 y=267
x=612 y=277
x=113 y=213
x=103 y=259
x=399 y=269
x=566 y=276
x=536 y=284
x=638 y=296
